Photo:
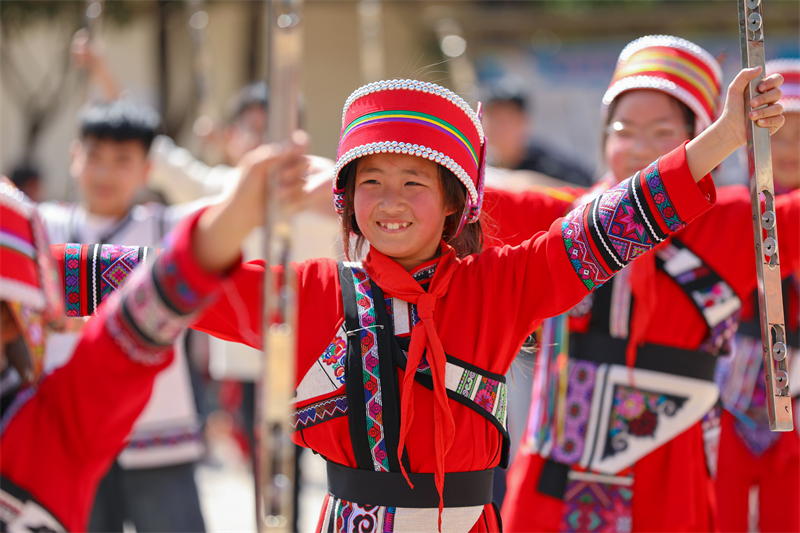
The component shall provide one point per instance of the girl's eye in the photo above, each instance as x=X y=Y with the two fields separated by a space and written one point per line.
x=413 y=183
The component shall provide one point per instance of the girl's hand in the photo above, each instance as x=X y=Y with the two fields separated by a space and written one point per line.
x=217 y=239
x=770 y=114
x=705 y=152
x=286 y=165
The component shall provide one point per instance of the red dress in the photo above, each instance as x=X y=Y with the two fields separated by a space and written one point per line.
x=60 y=436
x=750 y=455
x=665 y=497
x=483 y=308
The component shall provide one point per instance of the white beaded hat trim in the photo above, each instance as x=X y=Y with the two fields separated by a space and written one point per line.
x=394 y=147
x=414 y=85
x=702 y=120
x=672 y=42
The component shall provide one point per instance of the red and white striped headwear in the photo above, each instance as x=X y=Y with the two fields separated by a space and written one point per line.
x=790 y=70
x=415 y=118
x=672 y=65
x=29 y=280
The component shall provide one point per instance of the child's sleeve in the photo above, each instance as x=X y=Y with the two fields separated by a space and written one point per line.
x=553 y=271
x=75 y=421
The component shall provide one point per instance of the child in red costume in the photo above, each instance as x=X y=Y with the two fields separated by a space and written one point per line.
x=610 y=448
x=61 y=431
x=750 y=455
x=401 y=358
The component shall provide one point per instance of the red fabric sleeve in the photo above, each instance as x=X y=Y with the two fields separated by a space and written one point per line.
x=236 y=315
x=60 y=438
x=553 y=271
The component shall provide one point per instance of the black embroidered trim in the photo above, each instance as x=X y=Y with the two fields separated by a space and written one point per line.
x=354 y=387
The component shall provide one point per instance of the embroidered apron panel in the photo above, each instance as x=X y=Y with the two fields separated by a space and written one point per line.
x=631 y=422
x=597 y=504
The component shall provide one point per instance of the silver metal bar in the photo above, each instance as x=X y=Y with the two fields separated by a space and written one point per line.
x=765 y=233
x=275 y=458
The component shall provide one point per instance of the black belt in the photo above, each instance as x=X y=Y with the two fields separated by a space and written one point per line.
x=600 y=348
x=390 y=489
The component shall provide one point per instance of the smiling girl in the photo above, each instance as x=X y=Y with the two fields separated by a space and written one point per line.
x=616 y=434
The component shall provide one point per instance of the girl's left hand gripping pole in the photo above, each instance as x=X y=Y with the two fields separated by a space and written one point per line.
x=275 y=453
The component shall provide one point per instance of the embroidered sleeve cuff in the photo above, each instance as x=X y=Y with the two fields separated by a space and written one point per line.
x=632 y=217
x=674 y=198
x=162 y=301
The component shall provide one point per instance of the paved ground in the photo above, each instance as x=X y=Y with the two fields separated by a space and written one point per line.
x=227 y=496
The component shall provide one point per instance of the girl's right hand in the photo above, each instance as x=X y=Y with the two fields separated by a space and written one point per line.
x=218 y=237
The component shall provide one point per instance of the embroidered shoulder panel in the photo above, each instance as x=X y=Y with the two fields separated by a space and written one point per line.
x=326 y=375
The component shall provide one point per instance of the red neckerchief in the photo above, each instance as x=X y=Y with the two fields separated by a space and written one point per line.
x=394 y=279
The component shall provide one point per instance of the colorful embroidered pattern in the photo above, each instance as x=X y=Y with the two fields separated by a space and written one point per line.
x=172 y=284
x=587 y=265
x=604 y=235
x=488 y=393
x=591 y=506
x=568 y=450
x=163 y=439
x=357 y=518
x=371 y=370
x=334 y=358
x=327 y=373
x=621 y=224
x=143 y=321
x=414 y=117
x=116 y=264
x=659 y=194
x=72 y=280
x=319 y=412
x=635 y=413
x=102 y=269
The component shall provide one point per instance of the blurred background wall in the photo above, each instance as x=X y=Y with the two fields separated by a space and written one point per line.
x=188 y=58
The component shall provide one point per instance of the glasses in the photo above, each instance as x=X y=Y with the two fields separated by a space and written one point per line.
x=657 y=134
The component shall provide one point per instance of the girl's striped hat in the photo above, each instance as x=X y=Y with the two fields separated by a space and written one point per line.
x=790 y=70
x=415 y=118
x=29 y=280
x=672 y=65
